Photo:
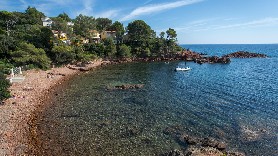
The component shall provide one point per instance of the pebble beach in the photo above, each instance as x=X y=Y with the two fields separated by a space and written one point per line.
x=27 y=97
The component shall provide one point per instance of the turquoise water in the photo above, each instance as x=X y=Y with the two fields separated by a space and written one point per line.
x=235 y=102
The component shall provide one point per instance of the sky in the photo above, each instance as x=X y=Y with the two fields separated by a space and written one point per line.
x=196 y=21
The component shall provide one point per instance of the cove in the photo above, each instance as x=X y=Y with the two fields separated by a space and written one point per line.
x=85 y=117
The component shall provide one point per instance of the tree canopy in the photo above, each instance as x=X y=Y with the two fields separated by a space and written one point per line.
x=103 y=23
x=83 y=24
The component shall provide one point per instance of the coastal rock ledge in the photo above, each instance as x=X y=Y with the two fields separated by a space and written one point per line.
x=245 y=54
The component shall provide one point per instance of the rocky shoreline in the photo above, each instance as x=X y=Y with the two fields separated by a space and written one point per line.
x=200 y=58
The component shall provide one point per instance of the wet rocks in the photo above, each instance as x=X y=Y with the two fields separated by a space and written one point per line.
x=245 y=54
x=198 y=146
x=173 y=130
x=190 y=140
x=211 y=142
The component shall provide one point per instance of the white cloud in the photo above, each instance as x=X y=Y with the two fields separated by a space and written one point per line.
x=157 y=8
x=147 y=2
x=210 y=24
x=24 y=3
x=108 y=14
x=257 y=23
x=88 y=7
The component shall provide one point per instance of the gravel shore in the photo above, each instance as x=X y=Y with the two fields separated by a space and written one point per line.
x=27 y=97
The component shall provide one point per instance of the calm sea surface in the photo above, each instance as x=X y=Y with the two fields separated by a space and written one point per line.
x=236 y=103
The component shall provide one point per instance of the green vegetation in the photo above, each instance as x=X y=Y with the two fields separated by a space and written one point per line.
x=31 y=38
x=4 y=85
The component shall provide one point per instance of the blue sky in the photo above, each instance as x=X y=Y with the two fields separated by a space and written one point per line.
x=196 y=21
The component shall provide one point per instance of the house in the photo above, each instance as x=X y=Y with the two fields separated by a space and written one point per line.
x=95 y=35
x=46 y=22
x=108 y=34
x=70 y=23
x=61 y=36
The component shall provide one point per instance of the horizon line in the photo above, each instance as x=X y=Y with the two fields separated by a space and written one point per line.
x=223 y=43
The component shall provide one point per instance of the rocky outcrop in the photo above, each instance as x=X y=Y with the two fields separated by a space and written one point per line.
x=197 y=146
x=245 y=54
x=212 y=59
x=202 y=58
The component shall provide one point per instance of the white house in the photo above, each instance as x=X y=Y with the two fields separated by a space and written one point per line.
x=70 y=23
x=46 y=22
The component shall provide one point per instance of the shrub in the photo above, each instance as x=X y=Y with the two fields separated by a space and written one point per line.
x=124 y=51
x=5 y=67
x=4 y=85
x=28 y=54
x=63 y=54
x=82 y=55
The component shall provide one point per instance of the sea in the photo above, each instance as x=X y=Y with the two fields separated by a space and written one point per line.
x=236 y=103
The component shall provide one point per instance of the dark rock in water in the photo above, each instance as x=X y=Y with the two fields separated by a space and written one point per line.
x=196 y=146
x=190 y=140
x=245 y=54
x=146 y=141
x=130 y=86
x=131 y=131
x=221 y=146
x=173 y=153
x=235 y=154
x=173 y=130
x=210 y=142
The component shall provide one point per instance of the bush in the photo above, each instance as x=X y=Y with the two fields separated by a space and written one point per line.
x=63 y=54
x=4 y=85
x=82 y=55
x=124 y=51
x=28 y=54
x=5 y=67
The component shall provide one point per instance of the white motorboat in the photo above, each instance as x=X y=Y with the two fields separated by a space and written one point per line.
x=182 y=69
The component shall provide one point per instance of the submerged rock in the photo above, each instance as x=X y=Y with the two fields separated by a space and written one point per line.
x=130 y=86
x=199 y=146
x=173 y=153
x=173 y=130
x=190 y=140
x=210 y=142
